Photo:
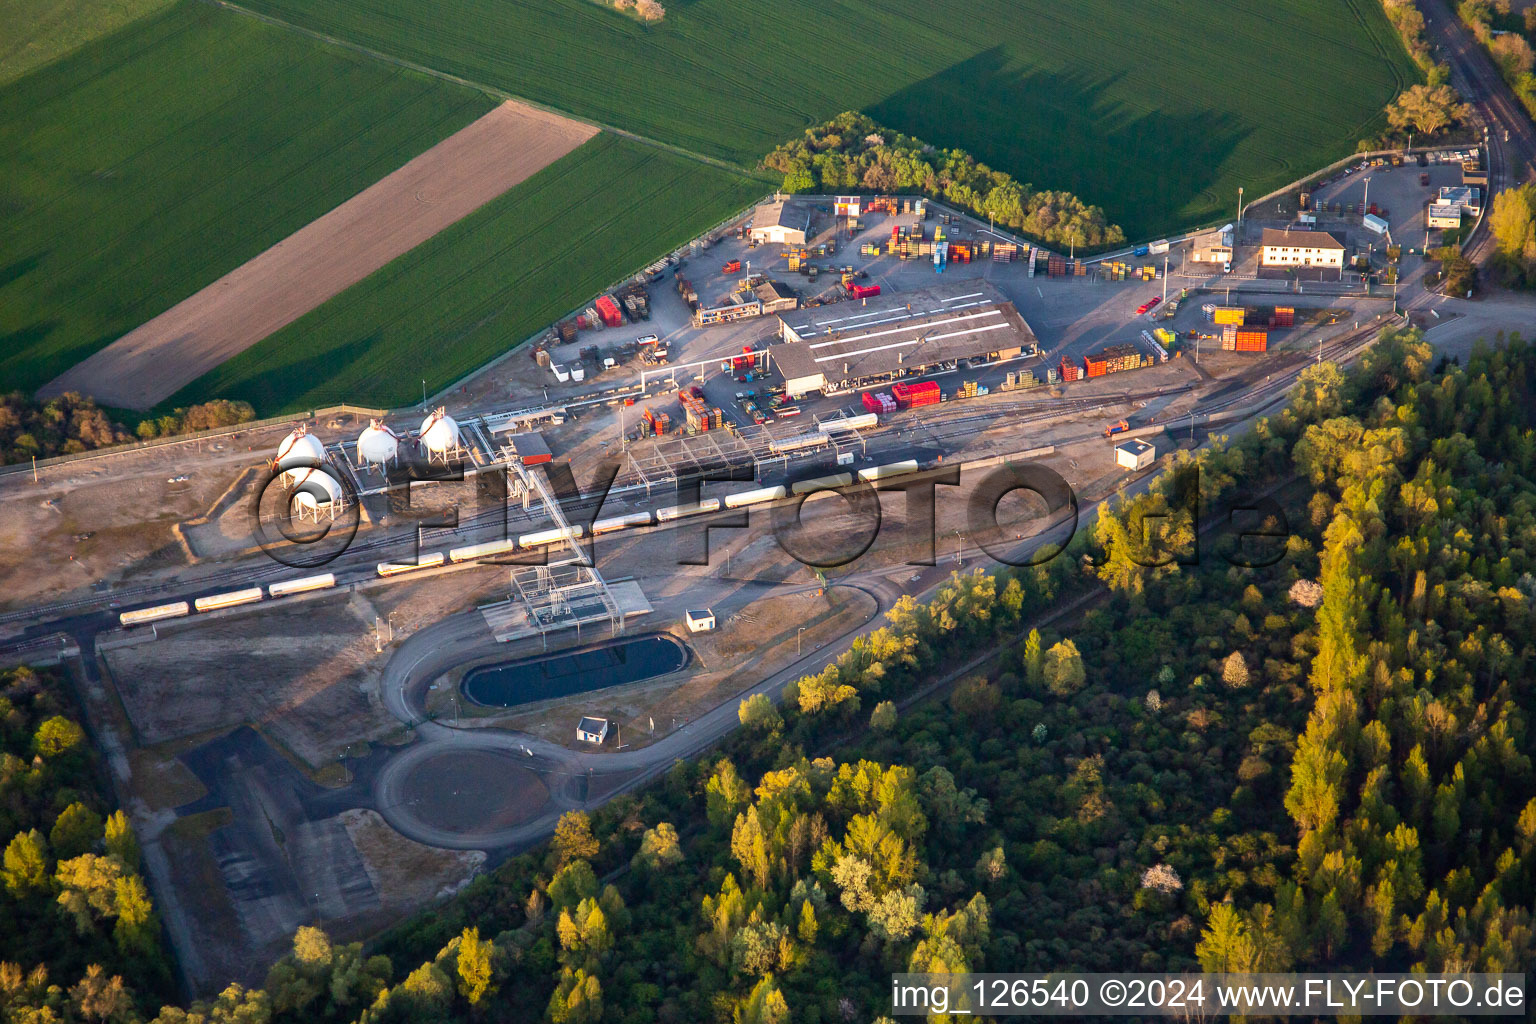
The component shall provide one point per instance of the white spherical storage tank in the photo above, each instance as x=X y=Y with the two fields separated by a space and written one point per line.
x=313 y=489
x=377 y=445
x=439 y=433
x=300 y=448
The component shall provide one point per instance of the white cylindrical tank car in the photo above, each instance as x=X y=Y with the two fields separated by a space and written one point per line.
x=671 y=512
x=377 y=445
x=822 y=483
x=473 y=551
x=440 y=433
x=756 y=497
x=533 y=540
x=621 y=522
x=299 y=586
x=888 y=470
x=140 y=616
x=863 y=421
x=431 y=561
x=213 y=602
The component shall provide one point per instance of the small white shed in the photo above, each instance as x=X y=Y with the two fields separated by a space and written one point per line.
x=592 y=730
x=700 y=620
x=1134 y=454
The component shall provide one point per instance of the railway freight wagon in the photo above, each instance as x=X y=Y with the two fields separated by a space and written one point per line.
x=431 y=561
x=472 y=551
x=287 y=588
x=872 y=474
x=675 y=512
x=613 y=523
x=757 y=497
x=157 y=613
x=214 y=602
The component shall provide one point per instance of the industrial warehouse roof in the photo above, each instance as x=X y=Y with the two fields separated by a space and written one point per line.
x=1301 y=239
x=1444 y=210
x=530 y=447
x=781 y=213
x=907 y=330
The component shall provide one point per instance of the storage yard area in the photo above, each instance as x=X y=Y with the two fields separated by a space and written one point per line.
x=904 y=343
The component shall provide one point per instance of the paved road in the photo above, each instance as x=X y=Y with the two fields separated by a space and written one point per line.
x=1475 y=76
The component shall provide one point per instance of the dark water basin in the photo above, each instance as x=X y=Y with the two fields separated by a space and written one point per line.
x=613 y=663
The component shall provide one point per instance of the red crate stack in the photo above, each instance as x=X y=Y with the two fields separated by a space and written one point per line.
x=910 y=396
x=1285 y=316
x=609 y=311
x=863 y=291
x=1070 y=370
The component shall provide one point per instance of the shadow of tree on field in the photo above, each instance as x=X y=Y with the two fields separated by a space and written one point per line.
x=1064 y=131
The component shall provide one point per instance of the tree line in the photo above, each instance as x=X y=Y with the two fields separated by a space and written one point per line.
x=74 y=423
x=851 y=153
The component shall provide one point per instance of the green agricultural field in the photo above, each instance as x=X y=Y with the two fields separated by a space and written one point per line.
x=150 y=162
x=1157 y=110
x=38 y=32
x=486 y=283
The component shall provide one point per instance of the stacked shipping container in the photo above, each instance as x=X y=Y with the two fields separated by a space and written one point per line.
x=1115 y=359
x=910 y=396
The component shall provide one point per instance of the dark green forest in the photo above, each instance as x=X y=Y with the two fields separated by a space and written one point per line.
x=1319 y=763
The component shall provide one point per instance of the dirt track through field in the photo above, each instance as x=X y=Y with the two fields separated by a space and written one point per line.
x=390 y=217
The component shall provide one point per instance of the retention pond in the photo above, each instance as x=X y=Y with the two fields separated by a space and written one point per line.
x=614 y=663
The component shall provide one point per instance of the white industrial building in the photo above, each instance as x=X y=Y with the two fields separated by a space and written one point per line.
x=1464 y=196
x=781 y=221
x=1134 y=454
x=1283 y=247
x=1444 y=215
x=842 y=346
x=700 y=620
x=592 y=730
x=1212 y=246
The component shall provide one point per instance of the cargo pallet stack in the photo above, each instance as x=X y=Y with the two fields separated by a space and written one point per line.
x=1021 y=379
x=879 y=402
x=567 y=330
x=1228 y=316
x=608 y=311
x=689 y=296
x=911 y=396
x=1115 y=359
x=863 y=291
x=1269 y=316
x=1056 y=266
x=1244 y=339
x=700 y=417
x=1070 y=370
x=1004 y=252
x=970 y=389
x=652 y=422
x=636 y=302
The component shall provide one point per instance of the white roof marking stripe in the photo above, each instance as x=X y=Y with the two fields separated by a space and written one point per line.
x=900 y=344
x=936 y=323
